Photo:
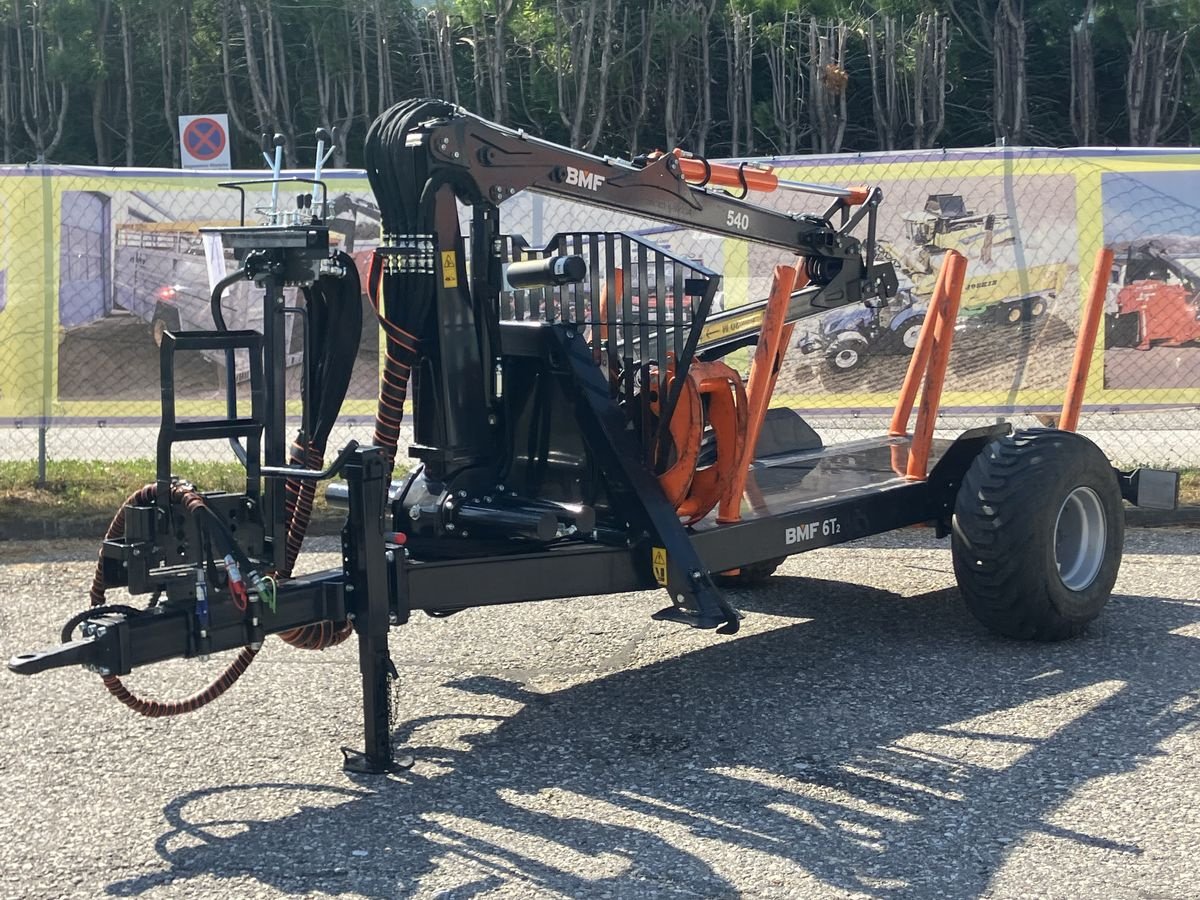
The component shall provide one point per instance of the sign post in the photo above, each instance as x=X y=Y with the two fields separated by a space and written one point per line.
x=204 y=142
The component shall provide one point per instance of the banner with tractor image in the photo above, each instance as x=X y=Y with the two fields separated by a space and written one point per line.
x=96 y=264
x=1030 y=223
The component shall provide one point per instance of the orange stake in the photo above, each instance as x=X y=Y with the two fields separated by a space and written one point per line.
x=920 y=357
x=773 y=338
x=1085 y=344
x=939 y=359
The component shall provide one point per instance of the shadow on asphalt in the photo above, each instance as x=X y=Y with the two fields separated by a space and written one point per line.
x=828 y=741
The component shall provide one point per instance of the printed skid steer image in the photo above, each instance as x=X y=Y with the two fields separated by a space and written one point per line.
x=571 y=438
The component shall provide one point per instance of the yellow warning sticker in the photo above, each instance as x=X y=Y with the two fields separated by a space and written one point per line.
x=449 y=269
x=659 y=564
x=724 y=328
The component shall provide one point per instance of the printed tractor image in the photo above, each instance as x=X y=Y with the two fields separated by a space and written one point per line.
x=1158 y=300
x=849 y=337
x=570 y=438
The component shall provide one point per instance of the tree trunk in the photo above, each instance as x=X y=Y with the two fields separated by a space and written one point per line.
x=1010 y=104
x=827 y=79
x=166 y=68
x=127 y=58
x=99 y=132
x=885 y=96
x=599 y=116
x=585 y=74
x=705 y=77
x=784 y=65
x=1153 y=81
x=6 y=110
x=226 y=80
x=43 y=102
x=930 y=40
x=645 y=57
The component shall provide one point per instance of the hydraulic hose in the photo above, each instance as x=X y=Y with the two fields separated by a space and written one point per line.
x=151 y=708
x=335 y=318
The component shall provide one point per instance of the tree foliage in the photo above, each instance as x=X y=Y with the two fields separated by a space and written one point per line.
x=102 y=81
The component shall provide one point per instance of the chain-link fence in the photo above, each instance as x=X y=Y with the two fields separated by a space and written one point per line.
x=96 y=264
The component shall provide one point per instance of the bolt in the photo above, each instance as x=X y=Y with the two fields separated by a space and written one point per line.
x=393 y=619
x=349 y=589
x=349 y=617
x=390 y=556
x=104 y=670
x=697 y=574
x=487 y=498
x=500 y=488
x=457 y=154
x=465 y=534
x=449 y=526
x=101 y=631
x=679 y=599
x=462 y=493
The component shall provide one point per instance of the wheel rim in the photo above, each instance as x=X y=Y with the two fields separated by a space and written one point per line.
x=1014 y=314
x=1080 y=538
x=846 y=358
x=911 y=335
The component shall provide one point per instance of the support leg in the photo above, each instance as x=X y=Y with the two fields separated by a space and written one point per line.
x=365 y=562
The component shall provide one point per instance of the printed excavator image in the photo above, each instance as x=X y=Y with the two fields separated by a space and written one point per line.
x=1157 y=300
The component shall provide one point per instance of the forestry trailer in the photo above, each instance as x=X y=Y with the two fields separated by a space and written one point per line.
x=585 y=442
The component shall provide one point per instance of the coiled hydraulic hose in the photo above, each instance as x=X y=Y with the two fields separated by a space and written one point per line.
x=194 y=503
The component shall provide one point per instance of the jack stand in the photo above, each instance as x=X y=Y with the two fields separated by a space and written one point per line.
x=365 y=566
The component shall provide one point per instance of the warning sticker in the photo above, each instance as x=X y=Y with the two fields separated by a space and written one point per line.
x=449 y=269
x=659 y=564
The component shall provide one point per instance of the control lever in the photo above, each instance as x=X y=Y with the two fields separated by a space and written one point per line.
x=324 y=138
x=276 y=165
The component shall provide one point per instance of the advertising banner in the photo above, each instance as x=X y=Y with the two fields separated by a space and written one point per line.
x=96 y=264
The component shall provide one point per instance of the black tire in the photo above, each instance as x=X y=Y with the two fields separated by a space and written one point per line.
x=751 y=575
x=910 y=332
x=165 y=319
x=1026 y=500
x=847 y=353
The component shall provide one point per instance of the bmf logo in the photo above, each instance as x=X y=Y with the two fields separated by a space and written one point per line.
x=809 y=531
x=589 y=181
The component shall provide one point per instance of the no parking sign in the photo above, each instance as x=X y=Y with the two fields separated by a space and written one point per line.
x=204 y=141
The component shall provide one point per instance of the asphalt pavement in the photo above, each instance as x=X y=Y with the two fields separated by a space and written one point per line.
x=862 y=736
